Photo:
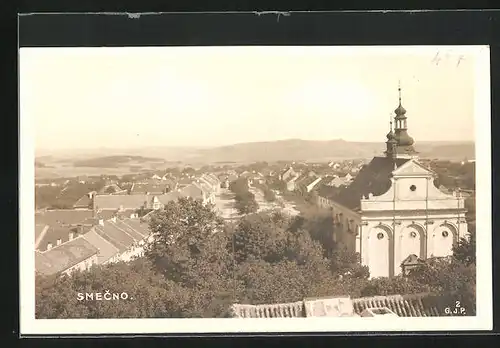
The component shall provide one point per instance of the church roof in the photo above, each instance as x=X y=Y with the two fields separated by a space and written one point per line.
x=372 y=178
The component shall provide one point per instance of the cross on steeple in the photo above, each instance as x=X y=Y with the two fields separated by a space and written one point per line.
x=399 y=143
x=399 y=91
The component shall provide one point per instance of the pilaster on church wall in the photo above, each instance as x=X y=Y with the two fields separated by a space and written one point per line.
x=366 y=227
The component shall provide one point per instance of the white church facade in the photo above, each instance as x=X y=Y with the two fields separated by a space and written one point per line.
x=393 y=210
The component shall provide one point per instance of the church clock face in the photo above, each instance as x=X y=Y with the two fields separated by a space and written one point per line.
x=444 y=234
x=380 y=235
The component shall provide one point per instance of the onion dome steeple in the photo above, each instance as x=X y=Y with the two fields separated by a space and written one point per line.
x=390 y=135
x=400 y=110
x=391 y=142
x=399 y=143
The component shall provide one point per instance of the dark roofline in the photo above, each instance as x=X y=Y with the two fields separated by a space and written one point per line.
x=94 y=252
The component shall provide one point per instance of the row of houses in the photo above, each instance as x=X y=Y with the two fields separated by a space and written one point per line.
x=307 y=181
x=76 y=244
x=151 y=195
x=106 y=226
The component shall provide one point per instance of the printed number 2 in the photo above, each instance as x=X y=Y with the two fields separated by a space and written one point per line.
x=457 y=304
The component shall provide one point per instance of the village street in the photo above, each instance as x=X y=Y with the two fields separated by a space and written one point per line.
x=279 y=204
x=224 y=203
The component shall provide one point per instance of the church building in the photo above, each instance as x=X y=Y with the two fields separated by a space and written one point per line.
x=392 y=211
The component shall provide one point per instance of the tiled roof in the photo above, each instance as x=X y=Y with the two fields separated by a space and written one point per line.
x=120 y=224
x=107 y=202
x=125 y=213
x=309 y=180
x=373 y=178
x=85 y=201
x=122 y=234
x=232 y=177
x=40 y=229
x=120 y=239
x=418 y=305
x=136 y=201
x=281 y=310
x=170 y=181
x=63 y=216
x=208 y=179
x=214 y=178
x=338 y=181
x=54 y=233
x=136 y=224
x=326 y=180
x=170 y=196
x=159 y=188
x=326 y=191
x=204 y=186
x=114 y=186
x=106 y=250
x=106 y=214
x=184 y=181
x=63 y=257
x=192 y=191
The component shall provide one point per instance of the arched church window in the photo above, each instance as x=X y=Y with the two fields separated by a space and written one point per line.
x=413 y=234
x=445 y=234
x=413 y=188
x=380 y=235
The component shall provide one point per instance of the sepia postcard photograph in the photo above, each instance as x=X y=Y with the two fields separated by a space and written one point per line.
x=255 y=189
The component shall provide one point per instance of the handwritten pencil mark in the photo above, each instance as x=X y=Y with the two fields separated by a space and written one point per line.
x=438 y=58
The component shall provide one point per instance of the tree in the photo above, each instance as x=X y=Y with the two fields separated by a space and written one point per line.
x=259 y=237
x=449 y=276
x=269 y=195
x=59 y=297
x=245 y=202
x=188 y=249
x=398 y=285
x=465 y=250
x=319 y=223
x=346 y=264
x=278 y=264
x=244 y=199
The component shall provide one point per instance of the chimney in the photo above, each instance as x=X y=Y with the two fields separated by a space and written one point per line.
x=101 y=222
x=71 y=235
x=49 y=246
x=59 y=241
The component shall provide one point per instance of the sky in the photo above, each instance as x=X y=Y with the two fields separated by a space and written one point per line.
x=210 y=96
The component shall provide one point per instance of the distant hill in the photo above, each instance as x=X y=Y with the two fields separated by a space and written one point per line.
x=305 y=150
x=282 y=150
x=114 y=161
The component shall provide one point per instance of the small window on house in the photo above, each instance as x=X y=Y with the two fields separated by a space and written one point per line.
x=445 y=234
x=380 y=235
x=413 y=188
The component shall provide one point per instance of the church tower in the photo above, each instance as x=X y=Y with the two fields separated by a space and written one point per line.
x=390 y=143
x=399 y=143
x=392 y=214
